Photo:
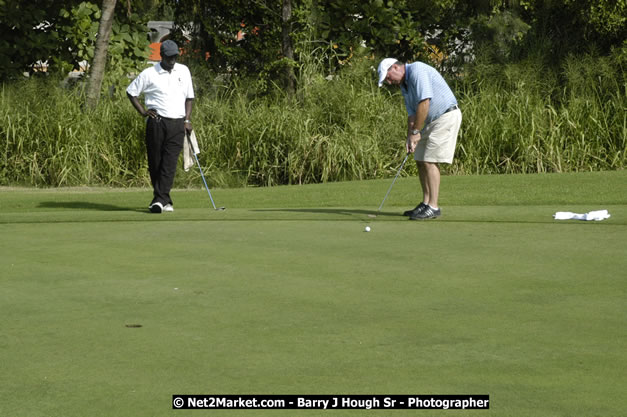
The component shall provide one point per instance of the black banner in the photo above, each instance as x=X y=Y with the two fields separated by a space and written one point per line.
x=331 y=402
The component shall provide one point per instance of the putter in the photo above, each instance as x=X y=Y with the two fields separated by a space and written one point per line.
x=203 y=176
x=391 y=185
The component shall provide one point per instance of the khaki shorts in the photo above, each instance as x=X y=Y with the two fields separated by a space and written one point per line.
x=438 y=139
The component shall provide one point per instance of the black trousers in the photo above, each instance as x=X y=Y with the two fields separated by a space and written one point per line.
x=164 y=142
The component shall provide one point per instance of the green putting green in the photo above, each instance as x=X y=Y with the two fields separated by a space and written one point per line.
x=109 y=310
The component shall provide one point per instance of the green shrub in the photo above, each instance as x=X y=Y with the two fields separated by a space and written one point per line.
x=524 y=119
x=517 y=118
x=50 y=141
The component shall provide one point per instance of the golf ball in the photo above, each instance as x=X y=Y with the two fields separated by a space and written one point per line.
x=367 y=228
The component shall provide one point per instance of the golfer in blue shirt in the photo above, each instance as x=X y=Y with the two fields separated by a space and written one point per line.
x=433 y=124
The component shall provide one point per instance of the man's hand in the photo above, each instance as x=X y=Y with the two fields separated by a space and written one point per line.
x=152 y=113
x=415 y=122
x=412 y=141
x=188 y=127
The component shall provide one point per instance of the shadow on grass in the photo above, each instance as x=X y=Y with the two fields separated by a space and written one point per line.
x=334 y=211
x=392 y=216
x=84 y=205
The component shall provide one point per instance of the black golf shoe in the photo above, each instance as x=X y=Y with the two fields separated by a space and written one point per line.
x=156 y=207
x=427 y=213
x=416 y=210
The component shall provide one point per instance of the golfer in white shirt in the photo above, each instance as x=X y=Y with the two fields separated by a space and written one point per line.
x=168 y=99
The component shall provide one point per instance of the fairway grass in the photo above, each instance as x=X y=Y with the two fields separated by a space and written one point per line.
x=284 y=293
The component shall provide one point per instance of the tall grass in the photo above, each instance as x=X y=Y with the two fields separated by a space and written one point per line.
x=48 y=140
x=339 y=129
x=525 y=120
x=519 y=118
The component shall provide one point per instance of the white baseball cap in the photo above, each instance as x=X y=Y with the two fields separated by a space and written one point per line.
x=384 y=66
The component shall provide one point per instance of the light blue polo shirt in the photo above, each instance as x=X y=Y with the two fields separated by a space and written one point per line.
x=425 y=82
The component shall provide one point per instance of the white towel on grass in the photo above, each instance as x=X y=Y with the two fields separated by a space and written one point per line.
x=188 y=156
x=592 y=215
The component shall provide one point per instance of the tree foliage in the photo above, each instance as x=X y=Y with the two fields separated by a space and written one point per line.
x=576 y=25
x=27 y=34
x=242 y=35
x=245 y=37
x=62 y=34
x=441 y=31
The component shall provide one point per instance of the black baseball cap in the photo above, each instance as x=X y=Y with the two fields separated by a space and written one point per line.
x=169 y=48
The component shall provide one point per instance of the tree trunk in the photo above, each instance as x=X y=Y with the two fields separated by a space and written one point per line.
x=314 y=19
x=288 y=51
x=97 y=69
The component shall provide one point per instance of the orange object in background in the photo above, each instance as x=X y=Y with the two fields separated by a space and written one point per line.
x=155 y=52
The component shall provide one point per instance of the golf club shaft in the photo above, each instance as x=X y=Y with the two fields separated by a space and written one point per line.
x=201 y=173
x=391 y=185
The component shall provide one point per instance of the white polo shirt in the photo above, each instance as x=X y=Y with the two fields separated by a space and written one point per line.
x=164 y=91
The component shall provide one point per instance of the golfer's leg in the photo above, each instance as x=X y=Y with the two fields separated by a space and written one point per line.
x=432 y=179
x=172 y=147
x=154 y=140
x=422 y=174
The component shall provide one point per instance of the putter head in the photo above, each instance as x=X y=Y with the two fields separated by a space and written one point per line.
x=372 y=215
x=221 y=208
